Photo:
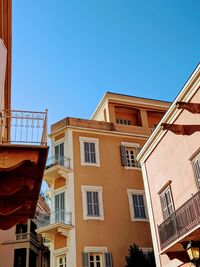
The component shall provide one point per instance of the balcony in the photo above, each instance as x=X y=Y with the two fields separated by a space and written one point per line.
x=57 y=167
x=23 y=154
x=28 y=237
x=62 y=161
x=182 y=225
x=51 y=223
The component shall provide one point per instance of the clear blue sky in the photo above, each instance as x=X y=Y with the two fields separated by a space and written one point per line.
x=67 y=54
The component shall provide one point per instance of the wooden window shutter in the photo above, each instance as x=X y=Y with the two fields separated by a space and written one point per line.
x=108 y=259
x=85 y=259
x=123 y=155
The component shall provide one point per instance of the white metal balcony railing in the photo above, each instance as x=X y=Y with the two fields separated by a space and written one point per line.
x=63 y=161
x=27 y=127
x=60 y=216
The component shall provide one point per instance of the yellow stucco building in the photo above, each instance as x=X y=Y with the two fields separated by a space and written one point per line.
x=97 y=194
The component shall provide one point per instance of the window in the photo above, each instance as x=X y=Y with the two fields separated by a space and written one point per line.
x=92 y=202
x=89 y=148
x=89 y=152
x=137 y=205
x=59 y=215
x=95 y=260
x=59 y=154
x=196 y=168
x=62 y=262
x=123 y=121
x=129 y=152
x=128 y=116
x=97 y=257
x=167 y=202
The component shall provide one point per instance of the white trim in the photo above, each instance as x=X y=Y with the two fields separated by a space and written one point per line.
x=128 y=144
x=60 y=251
x=155 y=239
x=189 y=89
x=131 y=192
x=99 y=189
x=131 y=145
x=96 y=249
x=132 y=168
x=96 y=143
x=71 y=259
x=60 y=189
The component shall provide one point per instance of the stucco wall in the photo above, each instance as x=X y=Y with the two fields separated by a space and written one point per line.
x=116 y=231
x=171 y=161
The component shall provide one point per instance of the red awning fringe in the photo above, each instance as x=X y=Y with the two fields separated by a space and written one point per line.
x=191 y=107
x=181 y=129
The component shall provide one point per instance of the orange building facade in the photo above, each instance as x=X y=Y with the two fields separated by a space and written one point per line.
x=98 y=206
x=170 y=164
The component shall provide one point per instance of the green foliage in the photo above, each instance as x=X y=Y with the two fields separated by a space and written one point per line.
x=137 y=258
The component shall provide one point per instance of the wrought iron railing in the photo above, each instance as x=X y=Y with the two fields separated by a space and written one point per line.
x=27 y=127
x=181 y=221
x=60 y=216
x=63 y=161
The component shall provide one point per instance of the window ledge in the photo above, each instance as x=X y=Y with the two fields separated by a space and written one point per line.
x=140 y=220
x=132 y=168
x=87 y=218
x=90 y=164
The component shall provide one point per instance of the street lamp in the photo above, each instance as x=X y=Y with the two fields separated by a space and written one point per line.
x=193 y=251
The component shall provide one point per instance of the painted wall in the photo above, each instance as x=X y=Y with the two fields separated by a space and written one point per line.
x=116 y=231
x=171 y=160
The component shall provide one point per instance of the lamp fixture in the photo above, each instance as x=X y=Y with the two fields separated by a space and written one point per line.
x=193 y=251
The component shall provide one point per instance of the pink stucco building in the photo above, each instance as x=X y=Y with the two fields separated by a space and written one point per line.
x=171 y=172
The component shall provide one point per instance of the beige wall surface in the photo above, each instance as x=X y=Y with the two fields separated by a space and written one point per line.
x=116 y=231
x=171 y=161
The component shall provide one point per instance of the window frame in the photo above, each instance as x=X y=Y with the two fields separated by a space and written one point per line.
x=83 y=140
x=161 y=194
x=130 y=193
x=193 y=161
x=129 y=145
x=59 y=215
x=62 y=257
x=106 y=256
x=91 y=188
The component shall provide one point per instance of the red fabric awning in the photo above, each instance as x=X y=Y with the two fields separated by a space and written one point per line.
x=181 y=129
x=191 y=107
